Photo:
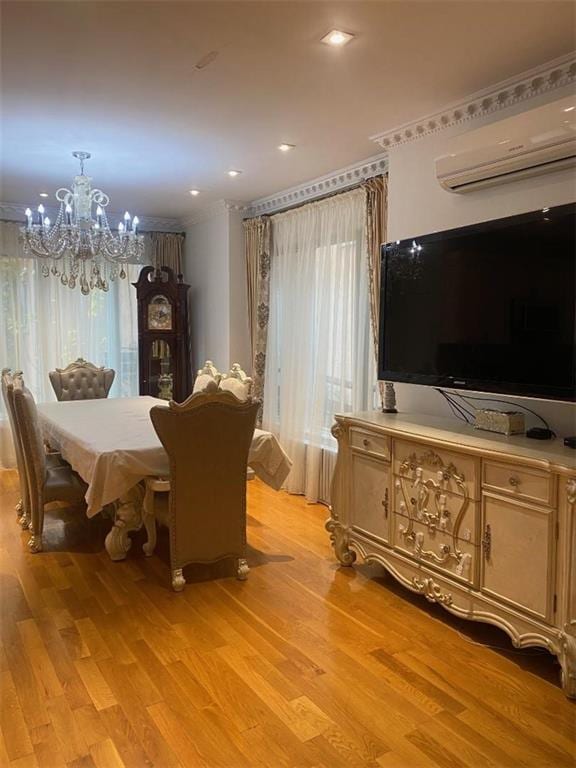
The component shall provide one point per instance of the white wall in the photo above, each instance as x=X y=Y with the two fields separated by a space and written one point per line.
x=206 y=269
x=214 y=267
x=239 y=330
x=418 y=205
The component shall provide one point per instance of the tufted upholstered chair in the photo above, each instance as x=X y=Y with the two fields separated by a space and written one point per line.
x=207 y=439
x=45 y=483
x=52 y=459
x=81 y=380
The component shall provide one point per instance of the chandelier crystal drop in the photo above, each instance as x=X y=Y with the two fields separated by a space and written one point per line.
x=80 y=245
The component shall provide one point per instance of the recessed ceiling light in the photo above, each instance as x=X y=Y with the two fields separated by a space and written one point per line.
x=43 y=194
x=337 y=38
x=286 y=147
x=233 y=172
x=194 y=192
x=569 y=109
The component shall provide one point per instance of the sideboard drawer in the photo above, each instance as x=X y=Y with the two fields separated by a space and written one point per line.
x=445 y=512
x=370 y=442
x=435 y=548
x=453 y=472
x=521 y=482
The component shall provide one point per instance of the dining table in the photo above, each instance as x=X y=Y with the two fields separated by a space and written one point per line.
x=112 y=445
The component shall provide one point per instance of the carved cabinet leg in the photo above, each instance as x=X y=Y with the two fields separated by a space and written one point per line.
x=128 y=517
x=178 y=580
x=339 y=538
x=567 y=659
x=242 y=569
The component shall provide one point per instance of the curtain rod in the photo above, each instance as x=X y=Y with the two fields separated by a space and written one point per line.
x=327 y=195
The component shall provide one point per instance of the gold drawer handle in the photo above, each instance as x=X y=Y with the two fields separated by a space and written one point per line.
x=487 y=542
x=385 y=503
x=514 y=481
x=365 y=442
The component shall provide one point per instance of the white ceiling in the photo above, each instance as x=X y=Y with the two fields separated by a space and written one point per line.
x=118 y=79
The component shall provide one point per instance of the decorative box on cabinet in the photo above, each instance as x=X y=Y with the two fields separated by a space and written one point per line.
x=484 y=525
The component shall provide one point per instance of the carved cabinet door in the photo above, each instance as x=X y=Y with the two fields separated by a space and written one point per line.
x=371 y=502
x=518 y=554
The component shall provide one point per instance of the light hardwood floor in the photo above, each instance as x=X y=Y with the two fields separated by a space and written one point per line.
x=305 y=664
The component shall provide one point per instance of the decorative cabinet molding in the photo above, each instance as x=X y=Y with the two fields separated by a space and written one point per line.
x=437 y=509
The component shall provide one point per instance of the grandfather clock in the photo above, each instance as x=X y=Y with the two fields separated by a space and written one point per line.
x=163 y=343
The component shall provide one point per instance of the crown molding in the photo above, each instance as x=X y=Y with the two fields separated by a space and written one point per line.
x=216 y=208
x=15 y=212
x=534 y=82
x=323 y=185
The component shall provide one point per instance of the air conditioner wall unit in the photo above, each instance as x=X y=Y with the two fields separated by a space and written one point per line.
x=530 y=144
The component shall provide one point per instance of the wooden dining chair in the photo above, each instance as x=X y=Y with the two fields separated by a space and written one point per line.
x=81 y=380
x=45 y=482
x=53 y=458
x=23 y=505
x=207 y=439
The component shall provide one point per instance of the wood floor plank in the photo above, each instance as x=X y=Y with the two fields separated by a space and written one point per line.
x=304 y=665
x=105 y=755
x=99 y=690
x=38 y=656
x=15 y=734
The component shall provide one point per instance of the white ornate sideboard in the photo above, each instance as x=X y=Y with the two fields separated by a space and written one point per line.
x=483 y=524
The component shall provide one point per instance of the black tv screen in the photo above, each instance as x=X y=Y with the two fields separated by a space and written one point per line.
x=488 y=307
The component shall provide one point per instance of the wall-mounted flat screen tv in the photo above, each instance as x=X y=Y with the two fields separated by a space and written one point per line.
x=489 y=307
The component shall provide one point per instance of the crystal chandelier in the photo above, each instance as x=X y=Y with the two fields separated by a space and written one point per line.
x=82 y=248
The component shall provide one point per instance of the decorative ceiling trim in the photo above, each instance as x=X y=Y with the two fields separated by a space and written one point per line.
x=212 y=210
x=15 y=212
x=543 y=79
x=324 y=185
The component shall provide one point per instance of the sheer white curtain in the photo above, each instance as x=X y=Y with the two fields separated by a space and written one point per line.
x=319 y=361
x=44 y=325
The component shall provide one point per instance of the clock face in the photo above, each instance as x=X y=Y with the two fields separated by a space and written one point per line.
x=159 y=314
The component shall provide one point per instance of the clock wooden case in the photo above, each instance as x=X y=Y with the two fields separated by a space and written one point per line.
x=163 y=334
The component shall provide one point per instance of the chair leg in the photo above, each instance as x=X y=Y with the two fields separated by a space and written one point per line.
x=242 y=569
x=178 y=580
x=37 y=524
x=24 y=521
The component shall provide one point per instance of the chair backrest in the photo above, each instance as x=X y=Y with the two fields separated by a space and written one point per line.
x=81 y=380
x=31 y=434
x=8 y=397
x=207 y=378
x=237 y=382
x=207 y=439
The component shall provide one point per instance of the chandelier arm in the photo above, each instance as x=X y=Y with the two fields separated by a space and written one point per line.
x=100 y=198
x=65 y=196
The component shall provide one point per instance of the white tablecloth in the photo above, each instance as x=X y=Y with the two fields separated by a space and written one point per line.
x=112 y=445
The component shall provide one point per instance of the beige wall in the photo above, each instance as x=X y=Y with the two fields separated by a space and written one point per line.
x=214 y=267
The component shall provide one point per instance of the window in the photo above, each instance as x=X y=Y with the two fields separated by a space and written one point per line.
x=320 y=359
x=44 y=325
